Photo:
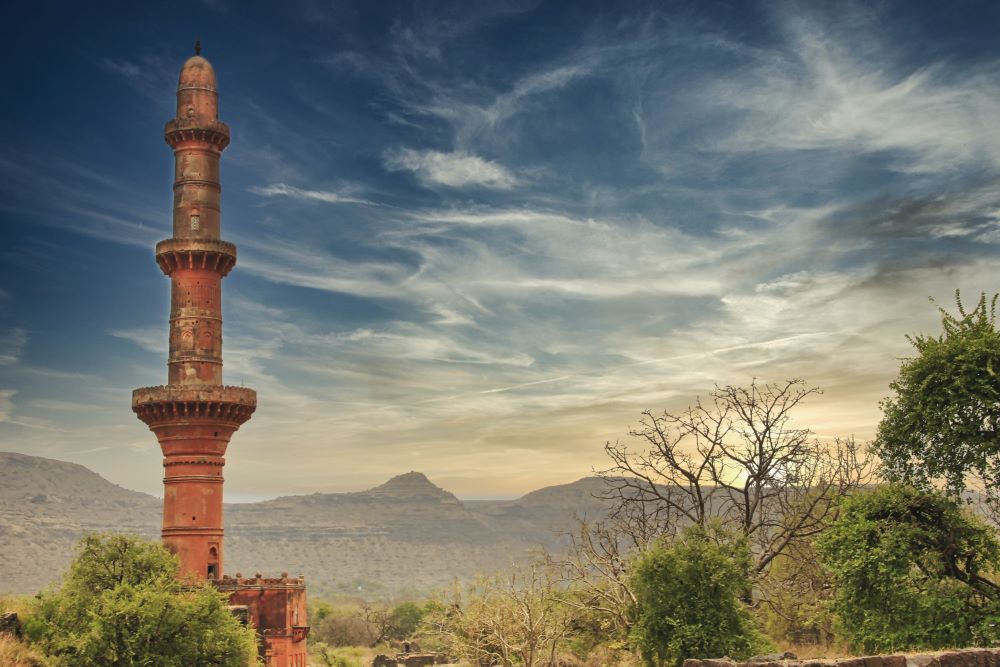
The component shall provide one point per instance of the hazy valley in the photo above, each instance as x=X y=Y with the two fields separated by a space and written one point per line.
x=406 y=535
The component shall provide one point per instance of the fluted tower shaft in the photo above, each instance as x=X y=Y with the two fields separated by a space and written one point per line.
x=194 y=415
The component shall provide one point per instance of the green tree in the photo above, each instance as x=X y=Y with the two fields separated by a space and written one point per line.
x=943 y=420
x=404 y=619
x=910 y=571
x=121 y=605
x=689 y=602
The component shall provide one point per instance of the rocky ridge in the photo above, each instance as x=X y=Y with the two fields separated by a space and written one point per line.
x=406 y=535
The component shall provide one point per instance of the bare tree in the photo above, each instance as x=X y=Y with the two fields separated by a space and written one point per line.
x=506 y=620
x=737 y=457
x=377 y=622
x=595 y=567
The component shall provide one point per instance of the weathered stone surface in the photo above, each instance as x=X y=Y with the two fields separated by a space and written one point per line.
x=975 y=657
x=968 y=658
x=852 y=662
x=772 y=657
x=417 y=659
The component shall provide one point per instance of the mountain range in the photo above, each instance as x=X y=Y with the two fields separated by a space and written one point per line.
x=404 y=537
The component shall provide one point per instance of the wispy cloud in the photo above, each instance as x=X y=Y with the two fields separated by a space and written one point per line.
x=149 y=75
x=151 y=339
x=456 y=170
x=6 y=404
x=837 y=84
x=325 y=196
x=12 y=344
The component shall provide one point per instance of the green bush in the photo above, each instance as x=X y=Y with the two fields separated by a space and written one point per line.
x=121 y=605
x=910 y=571
x=689 y=598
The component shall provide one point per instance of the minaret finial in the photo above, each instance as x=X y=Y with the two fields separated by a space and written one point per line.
x=197 y=47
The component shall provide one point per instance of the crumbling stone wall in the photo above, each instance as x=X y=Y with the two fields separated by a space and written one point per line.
x=973 y=657
x=407 y=660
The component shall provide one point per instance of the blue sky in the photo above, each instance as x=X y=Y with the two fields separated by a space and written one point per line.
x=477 y=239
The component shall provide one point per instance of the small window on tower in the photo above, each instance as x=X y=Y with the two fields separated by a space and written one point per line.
x=195 y=220
x=213 y=571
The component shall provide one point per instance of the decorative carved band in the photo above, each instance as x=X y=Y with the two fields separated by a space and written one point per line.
x=201 y=460
x=208 y=88
x=207 y=531
x=213 y=254
x=200 y=479
x=210 y=136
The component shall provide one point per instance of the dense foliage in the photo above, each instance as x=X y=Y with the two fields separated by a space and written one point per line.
x=121 y=605
x=689 y=600
x=910 y=570
x=942 y=422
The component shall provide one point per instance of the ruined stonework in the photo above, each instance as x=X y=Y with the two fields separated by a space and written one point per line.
x=973 y=657
x=407 y=660
x=194 y=415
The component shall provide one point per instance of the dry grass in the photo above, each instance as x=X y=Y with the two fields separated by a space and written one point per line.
x=14 y=653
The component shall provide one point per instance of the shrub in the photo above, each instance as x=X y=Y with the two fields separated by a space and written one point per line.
x=689 y=597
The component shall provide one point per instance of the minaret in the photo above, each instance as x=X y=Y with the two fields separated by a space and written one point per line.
x=194 y=414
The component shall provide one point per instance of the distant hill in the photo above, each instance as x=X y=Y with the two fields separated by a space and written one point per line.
x=45 y=505
x=543 y=516
x=405 y=535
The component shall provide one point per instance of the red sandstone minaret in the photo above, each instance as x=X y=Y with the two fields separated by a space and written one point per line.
x=194 y=414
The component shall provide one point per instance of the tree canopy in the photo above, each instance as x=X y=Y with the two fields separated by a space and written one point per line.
x=910 y=570
x=942 y=421
x=121 y=605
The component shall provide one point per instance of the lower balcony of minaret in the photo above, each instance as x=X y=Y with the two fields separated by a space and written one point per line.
x=173 y=404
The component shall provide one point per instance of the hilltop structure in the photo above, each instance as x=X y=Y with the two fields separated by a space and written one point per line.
x=194 y=415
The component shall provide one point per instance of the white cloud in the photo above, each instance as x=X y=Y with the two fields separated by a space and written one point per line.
x=149 y=338
x=456 y=170
x=326 y=196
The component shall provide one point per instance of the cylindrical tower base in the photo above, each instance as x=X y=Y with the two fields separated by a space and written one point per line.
x=193 y=425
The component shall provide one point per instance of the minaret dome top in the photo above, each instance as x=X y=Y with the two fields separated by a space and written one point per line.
x=197 y=73
x=197 y=93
